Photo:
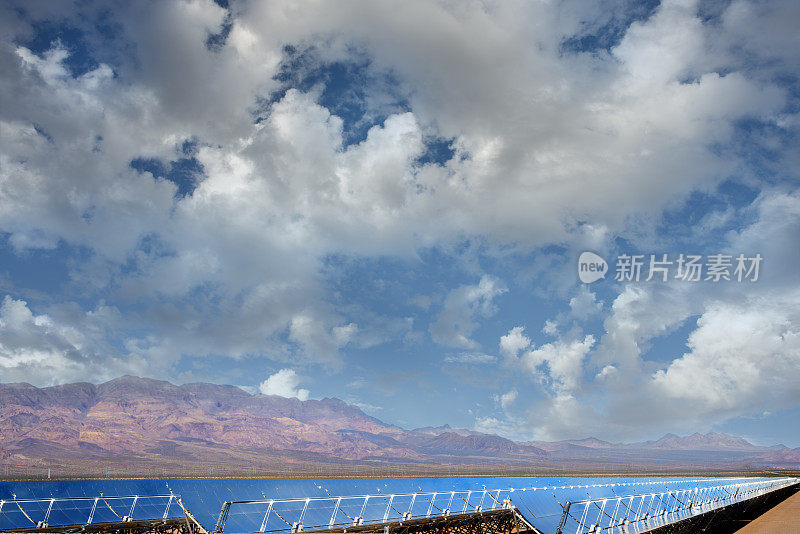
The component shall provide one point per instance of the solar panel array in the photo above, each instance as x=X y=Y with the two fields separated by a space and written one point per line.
x=643 y=511
x=542 y=506
x=60 y=511
x=277 y=515
x=540 y=501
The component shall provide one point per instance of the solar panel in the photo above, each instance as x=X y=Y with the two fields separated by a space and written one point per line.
x=18 y=513
x=637 y=512
x=540 y=501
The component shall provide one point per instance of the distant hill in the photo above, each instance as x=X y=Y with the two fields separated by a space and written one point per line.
x=130 y=415
x=133 y=420
x=699 y=442
x=460 y=444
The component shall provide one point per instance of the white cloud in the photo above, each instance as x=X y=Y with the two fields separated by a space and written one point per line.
x=563 y=416
x=318 y=343
x=456 y=322
x=550 y=328
x=559 y=363
x=501 y=185
x=506 y=399
x=551 y=139
x=584 y=304
x=559 y=367
x=639 y=314
x=501 y=427
x=513 y=342
x=45 y=351
x=284 y=383
x=367 y=407
x=739 y=356
x=743 y=354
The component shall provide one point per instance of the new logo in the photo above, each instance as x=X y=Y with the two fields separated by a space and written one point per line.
x=591 y=267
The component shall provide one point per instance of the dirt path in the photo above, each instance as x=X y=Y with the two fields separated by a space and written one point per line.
x=783 y=519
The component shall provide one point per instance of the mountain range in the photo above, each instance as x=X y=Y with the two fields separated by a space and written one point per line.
x=137 y=421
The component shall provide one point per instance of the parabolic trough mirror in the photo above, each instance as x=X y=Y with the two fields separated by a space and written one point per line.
x=546 y=505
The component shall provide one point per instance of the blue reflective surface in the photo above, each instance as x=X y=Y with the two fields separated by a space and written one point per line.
x=539 y=500
x=71 y=510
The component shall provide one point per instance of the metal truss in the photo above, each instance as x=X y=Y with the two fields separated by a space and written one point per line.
x=328 y=513
x=504 y=521
x=606 y=514
x=129 y=514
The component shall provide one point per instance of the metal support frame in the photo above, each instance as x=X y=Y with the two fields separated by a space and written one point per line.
x=174 y=525
x=501 y=521
x=389 y=514
x=27 y=509
x=668 y=503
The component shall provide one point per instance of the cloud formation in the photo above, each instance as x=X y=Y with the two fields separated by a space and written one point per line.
x=462 y=306
x=742 y=352
x=48 y=351
x=564 y=127
x=284 y=383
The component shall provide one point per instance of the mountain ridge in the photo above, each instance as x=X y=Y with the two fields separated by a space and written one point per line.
x=142 y=419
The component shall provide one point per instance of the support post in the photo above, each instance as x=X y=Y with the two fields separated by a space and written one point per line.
x=561 y=523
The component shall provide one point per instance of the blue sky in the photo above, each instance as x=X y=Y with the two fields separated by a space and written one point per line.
x=387 y=204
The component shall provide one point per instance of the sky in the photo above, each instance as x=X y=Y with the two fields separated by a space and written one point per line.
x=386 y=203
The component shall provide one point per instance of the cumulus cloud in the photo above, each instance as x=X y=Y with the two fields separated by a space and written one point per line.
x=45 y=351
x=506 y=399
x=584 y=304
x=559 y=369
x=317 y=342
x=284 y=383
x=514 y=341
x=462 y=306
x=560 y=363
x=628 y=126
x=742 y=358
x=553 y=138
x=550 y=328
x=738 y=356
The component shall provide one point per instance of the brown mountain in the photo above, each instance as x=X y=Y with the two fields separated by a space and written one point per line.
x=466 y=443
x=712 y=441
x=136 y=421
x=130 y=415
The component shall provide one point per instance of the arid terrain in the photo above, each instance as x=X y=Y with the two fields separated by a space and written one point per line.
x=137 y=427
